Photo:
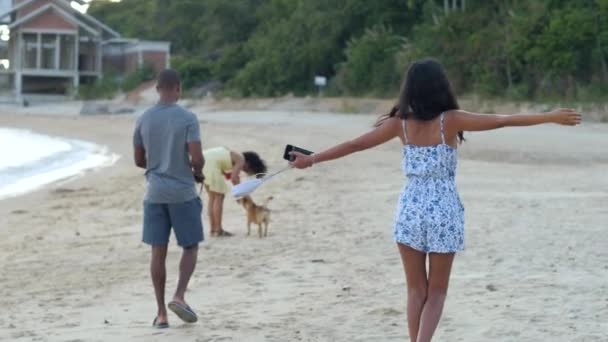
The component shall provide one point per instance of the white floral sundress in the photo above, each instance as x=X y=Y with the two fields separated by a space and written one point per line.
x=430 y=215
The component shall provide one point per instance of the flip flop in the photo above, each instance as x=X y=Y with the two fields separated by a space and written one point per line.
x=225 y=233
x=184 y=312
x=221 y=233
x=157 y=325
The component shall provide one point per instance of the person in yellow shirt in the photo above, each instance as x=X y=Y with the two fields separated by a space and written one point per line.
x=222 y=164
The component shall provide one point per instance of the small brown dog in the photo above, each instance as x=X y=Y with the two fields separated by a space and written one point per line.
x=257 y=214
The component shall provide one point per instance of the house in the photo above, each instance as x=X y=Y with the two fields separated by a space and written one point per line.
x=49 y=48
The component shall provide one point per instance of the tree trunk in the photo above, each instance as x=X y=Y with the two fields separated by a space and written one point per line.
x=464 y=5
x=600 y=49
x=509 y=75
x=446 y=6
x=570 y=87
x=603 y=61
x=507 y=31
x=163 y=6
x=454 y=5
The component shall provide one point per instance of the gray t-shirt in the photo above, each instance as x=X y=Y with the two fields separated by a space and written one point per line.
x=164 y=131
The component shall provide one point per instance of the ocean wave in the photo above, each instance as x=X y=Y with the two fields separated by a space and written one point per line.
x=30 y=160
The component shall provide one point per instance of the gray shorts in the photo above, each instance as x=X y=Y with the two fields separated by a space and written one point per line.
x=185 y=218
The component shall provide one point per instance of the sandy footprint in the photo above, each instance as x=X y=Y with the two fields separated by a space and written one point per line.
x=386 y=312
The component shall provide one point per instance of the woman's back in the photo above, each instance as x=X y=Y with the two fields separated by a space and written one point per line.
x=435 y=160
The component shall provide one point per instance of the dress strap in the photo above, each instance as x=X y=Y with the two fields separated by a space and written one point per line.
x=404 y=132
x=441 y=129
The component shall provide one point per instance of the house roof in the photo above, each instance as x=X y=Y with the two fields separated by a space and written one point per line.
x=51 y=6
x=65 y=9
x=91 y=18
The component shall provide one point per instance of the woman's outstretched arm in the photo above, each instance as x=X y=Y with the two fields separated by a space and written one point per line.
x=385 y=132
x=465 y=121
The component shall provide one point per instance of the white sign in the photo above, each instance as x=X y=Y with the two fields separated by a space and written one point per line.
x=320 y=81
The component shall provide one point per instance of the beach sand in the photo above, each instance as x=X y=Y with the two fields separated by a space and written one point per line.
x=535 y=269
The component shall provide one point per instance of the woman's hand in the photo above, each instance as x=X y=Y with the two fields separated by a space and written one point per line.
x=565 y=116
x=235 y=178
x=301 y=161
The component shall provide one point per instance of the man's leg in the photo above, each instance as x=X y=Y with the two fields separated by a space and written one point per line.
x=159 y=276
x=188 y=227
x=157 y=228
x=186 y=268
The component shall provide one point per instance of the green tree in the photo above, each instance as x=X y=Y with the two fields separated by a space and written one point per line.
x=370 y=66
x=514 y=48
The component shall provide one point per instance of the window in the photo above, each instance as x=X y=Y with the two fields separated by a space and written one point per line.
x=5 y=63
x=88 y=56
x=30 y=51
x=49 y=48
x=67 y=56
x=57 y=51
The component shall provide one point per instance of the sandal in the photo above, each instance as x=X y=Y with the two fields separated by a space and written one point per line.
x=225 y=233
x=157 y=325
x=184 y=312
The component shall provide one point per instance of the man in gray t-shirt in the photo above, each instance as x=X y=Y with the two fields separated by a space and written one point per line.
x=167 y=145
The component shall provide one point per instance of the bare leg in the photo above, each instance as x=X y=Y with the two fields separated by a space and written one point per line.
x=414 y=264
x=216 y=207
x=439 y=276
x=210 y=199
x=218 y=211
x=159 y=277
x=186 y=268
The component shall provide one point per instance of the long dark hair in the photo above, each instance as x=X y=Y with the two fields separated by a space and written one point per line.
x=255 y=165
x=425 y=94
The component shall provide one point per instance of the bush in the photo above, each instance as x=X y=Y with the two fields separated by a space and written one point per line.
x=371 y=63
x=108 y=86
x=104 y=88
x=231 y=60
x=145 y=73
x=193 y=70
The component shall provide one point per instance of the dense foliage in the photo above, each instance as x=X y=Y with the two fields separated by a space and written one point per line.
x=515 y=48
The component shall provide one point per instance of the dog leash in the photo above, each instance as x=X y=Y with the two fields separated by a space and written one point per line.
x=272 y=175
x=246 y=188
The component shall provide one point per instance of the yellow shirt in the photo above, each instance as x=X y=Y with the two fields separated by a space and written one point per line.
x=217 y=162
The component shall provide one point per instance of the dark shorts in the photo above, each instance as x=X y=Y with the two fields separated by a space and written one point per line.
x=185 y=219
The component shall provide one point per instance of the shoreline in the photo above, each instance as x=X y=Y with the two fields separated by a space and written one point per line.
x=136 y=103
x=33 y=175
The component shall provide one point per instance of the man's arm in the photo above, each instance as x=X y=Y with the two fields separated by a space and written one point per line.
x=195 y=149
x=197 y=161
x=139 y=152
x=139 y=155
